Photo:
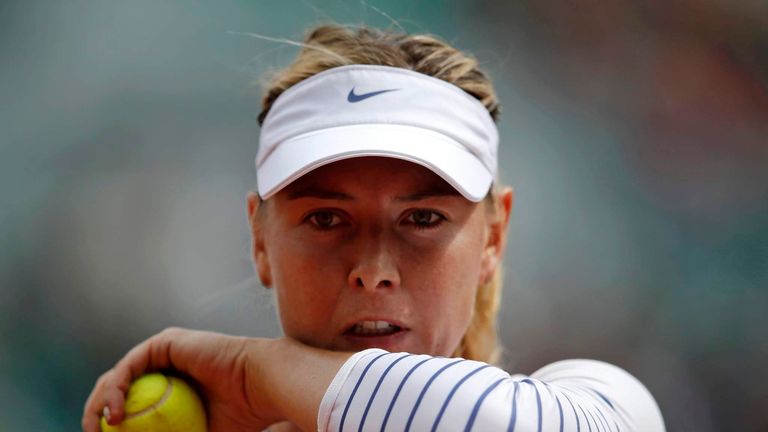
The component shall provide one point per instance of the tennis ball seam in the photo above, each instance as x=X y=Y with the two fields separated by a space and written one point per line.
x=156 y=405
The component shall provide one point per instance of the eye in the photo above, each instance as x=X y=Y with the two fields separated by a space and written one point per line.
x=425 y=218
x=323 y=219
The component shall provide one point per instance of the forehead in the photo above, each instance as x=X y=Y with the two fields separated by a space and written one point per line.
x=371 y=174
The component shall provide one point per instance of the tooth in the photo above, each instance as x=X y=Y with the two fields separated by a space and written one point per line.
x=373 y=328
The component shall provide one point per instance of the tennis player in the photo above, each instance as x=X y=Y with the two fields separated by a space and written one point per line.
x=380 y=223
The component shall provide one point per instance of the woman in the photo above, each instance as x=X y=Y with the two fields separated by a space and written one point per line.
x=380 y=224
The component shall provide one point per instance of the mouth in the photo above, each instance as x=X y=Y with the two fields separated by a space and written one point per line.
x=374 y=328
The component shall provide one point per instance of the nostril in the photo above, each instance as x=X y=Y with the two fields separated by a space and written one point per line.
x=382 y=284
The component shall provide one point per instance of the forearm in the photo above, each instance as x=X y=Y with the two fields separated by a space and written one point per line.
x=294 y=376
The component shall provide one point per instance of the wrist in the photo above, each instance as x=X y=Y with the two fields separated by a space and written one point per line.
x=260 y=387
x=290 y=379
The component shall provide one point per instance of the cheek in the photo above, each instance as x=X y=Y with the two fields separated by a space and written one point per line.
x=447 y=305
x=306 y=297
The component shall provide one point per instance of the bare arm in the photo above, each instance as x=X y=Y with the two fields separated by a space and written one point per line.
x=247 y=383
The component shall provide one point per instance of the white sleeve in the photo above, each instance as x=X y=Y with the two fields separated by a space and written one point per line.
x=380 y=391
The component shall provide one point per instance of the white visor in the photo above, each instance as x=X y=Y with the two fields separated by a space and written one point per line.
x=370 y=110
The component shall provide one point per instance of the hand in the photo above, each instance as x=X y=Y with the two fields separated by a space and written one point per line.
x=223 y=367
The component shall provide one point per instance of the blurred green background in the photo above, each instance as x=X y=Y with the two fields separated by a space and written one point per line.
x=635 y=134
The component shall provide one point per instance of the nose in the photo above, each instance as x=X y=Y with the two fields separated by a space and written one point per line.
x=375 y=267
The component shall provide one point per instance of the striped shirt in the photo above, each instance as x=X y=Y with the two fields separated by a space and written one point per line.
x=380 y=391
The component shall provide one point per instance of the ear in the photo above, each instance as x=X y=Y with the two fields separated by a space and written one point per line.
x=496 y=240
x=259 y=252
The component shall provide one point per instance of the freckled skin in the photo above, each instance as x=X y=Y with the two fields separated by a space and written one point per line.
x=334 y=262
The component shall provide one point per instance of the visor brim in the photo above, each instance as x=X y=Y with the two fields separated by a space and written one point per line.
x=435 y=151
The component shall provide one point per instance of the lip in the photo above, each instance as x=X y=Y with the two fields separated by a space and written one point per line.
x=391 y=342
x=349 y=324
x=394 y=342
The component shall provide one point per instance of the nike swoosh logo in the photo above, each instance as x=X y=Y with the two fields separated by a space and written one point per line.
x=353 y=98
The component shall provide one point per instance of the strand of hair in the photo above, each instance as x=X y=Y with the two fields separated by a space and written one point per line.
x=384 y=14
x=290 y=42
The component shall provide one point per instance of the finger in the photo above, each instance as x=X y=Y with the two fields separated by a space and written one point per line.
x=90 y=423
x=152 y=354
x=113 y=408
x=114 y=393
x=136 y=363
x=95 y=404
x=108 y=396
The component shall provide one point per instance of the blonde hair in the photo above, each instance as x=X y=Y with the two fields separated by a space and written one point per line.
x=330 y=46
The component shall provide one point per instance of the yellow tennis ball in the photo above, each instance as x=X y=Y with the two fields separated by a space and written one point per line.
x=160 y=403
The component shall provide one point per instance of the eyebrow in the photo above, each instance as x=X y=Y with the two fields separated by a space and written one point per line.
x=313 y=192
x=428 y=193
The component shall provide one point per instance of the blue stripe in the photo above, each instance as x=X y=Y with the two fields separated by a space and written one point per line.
x=376 y=390
x=560 y=408
x=608 y=402
x=586 y=418
x=452 y=392
x=597 y=426
x=602 y=396
x=397 y=393
x=359 y=380
x=578 y=422
x=424 y=390
x=538 y=402
x=513 y=417
x=599 y=411
x=479 y=402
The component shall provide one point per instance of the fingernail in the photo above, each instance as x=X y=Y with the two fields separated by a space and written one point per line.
x=106 y=413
